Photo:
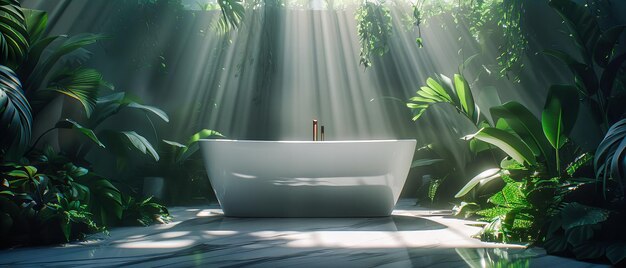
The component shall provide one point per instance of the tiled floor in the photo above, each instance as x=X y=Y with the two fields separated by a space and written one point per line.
x=412 y=237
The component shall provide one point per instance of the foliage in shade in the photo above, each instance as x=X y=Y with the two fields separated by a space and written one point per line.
x=71 y=124
x=13 y=34
x=15 y=115
x=596 y=76
x=610 y=157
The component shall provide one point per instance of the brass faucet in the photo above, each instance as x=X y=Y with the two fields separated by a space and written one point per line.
x=314 y=129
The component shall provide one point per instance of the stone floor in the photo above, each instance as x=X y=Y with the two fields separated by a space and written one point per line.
x=203 y=237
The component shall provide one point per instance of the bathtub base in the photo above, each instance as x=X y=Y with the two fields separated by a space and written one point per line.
x=307 y=179
x=313 y=202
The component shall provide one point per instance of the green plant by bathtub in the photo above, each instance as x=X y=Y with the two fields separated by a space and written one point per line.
x=44 y=196
x=534 y=169
x=182 y=168
x=455 y=92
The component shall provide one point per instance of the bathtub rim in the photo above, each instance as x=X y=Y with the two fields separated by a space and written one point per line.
x=309 y=141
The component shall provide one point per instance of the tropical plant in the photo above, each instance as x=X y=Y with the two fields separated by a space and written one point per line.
x=46 y=198
x=39 y=77
x=456 y=93
x=179 y=167
x=144 y=212
x=609 y=162
x=374 y=28
x=535 y=168
x=442 y=89
x=52 y=201
x=586 y=232
x=181 y=152
x=13 y=35
x=233 y=13
x=596 y=76
x=15 y=116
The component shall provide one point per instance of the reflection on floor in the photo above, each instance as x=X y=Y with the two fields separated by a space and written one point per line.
x=412 y=237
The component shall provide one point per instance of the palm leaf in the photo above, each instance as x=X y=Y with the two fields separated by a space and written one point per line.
x=13 y=33
x=15 y=114
x=232 y=14
x=71 y=44
x=442 y=90
x=80 y=84
x=36 y=24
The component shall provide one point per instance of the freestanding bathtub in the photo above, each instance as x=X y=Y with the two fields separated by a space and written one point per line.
x=307 y=178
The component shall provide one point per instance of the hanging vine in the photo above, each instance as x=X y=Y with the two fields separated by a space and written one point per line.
x=482 y=17
x=374 y=28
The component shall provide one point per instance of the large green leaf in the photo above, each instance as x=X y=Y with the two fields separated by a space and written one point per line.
x=483 y=177
x=605 y=46
x=13 y=34
x=192 y=143
x=36 y=24
x=71 y=124
x=109 y=105
x=15 y=114
x=507 y=142
x=559 y=114
x=574 y=214
x=465 y=97
x=525 y=125
x=140 y=143
x=154 y=110
x=510 y=196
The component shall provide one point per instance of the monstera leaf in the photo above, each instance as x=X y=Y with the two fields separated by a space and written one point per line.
x=610 y=156
x=15 y=114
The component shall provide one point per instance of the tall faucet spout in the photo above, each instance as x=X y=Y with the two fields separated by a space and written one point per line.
x=314 y=129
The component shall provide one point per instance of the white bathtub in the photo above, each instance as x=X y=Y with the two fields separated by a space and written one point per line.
x=307 y=178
